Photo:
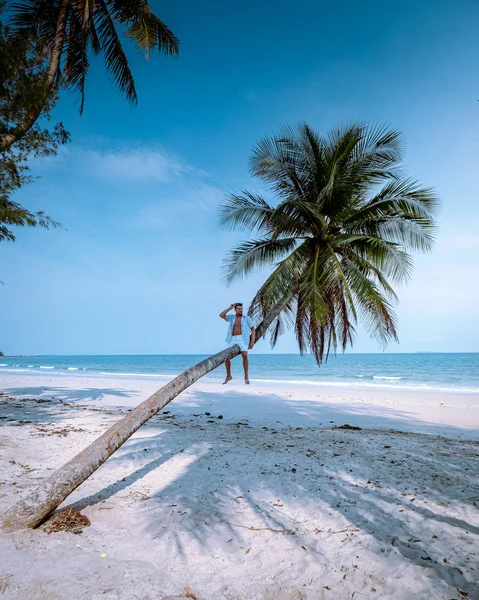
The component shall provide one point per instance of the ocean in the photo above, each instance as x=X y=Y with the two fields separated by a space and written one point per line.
x=423 y=371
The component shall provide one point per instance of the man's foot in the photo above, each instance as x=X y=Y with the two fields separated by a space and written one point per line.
x=228 y=378
x=246 y=380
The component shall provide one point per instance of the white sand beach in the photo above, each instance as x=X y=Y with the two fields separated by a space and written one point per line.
x=247 y=493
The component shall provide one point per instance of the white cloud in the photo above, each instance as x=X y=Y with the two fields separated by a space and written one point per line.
x=171 y=188
x=135 y=165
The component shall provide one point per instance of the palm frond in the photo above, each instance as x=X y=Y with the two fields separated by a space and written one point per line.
x=34 y=19
x=282 y=323
x=115 y=59
x=377 y=312
x=401 y=211
x=249 y=256
x=379 y=149
x=402 y=196
x=76 y=62
x=369 y=270
x=144 y=27
x=297 y=217
x=280 y=162
x=244 y=212
x=386 y=256
x=148 y=31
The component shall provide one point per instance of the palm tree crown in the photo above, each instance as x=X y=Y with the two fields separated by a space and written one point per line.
x=68 y=30
x=340 y=234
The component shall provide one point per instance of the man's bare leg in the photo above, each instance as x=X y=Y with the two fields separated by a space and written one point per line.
x=228 y=371
x=245 y=367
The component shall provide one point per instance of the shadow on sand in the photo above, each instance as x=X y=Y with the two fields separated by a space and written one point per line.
x=69 y=394
x=50 y=404
x=368 y=477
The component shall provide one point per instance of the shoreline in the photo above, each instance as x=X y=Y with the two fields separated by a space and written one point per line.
x=75 y=372
x=456 y=373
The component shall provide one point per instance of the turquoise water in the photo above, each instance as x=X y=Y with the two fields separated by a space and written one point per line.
x=447 y=372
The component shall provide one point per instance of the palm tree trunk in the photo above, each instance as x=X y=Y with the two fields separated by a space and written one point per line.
x=33 y=510
x=51 y=71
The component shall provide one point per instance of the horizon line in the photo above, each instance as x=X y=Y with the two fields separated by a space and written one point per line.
x=258 y=354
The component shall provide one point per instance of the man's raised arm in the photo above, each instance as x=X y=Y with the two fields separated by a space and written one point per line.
x=223 y=314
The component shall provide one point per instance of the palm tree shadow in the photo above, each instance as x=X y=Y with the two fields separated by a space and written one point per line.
x=394 y=533
x=246 y=470
x=241 y=476
x=120 y=485
x=64 y=394
x=35 y=405
x=315 y=411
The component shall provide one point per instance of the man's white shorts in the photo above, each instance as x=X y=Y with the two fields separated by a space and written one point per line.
x=238 y=339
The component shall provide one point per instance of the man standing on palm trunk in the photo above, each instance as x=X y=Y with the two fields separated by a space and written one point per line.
x=241 y=331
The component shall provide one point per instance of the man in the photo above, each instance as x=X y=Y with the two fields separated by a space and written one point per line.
x=241 y=331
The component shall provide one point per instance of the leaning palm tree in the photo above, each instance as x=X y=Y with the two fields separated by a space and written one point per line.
x=340 y=233
x=66 y=32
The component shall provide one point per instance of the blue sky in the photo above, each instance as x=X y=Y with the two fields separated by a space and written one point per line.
x=136 y=268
